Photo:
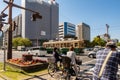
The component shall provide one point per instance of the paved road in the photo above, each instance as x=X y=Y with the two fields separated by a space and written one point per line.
x=15 y=54
x=85 y=67
x=88 y=63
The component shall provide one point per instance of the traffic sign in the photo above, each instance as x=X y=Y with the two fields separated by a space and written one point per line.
x=5 y=28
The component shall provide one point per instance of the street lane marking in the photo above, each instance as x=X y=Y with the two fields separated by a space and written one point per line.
x=89 y=61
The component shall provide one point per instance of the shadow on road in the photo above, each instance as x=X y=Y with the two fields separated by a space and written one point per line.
x=35 y=77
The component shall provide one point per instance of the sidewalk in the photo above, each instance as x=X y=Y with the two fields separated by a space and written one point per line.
x=87 y=76
x=47 y=77
x=3 y=77
x=42 y=76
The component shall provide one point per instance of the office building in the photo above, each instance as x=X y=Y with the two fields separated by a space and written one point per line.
x=83 y=32
x=17 y=32
x=41 y=29
x=66 y=29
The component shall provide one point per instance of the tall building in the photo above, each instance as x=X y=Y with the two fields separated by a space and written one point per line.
x=66 y=29
x=45 y=28
x=18 y=29
x=83 y=32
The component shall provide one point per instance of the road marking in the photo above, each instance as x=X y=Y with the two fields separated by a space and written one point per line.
x=88 y=61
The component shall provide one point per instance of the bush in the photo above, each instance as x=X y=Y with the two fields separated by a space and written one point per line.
x=49 y=50
x=64 y=50
x=78 y=50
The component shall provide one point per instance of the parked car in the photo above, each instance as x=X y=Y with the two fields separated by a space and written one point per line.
x=37 y=51
x=21 y=48
x=118 y=49
x=92 y=54
x=86 y=50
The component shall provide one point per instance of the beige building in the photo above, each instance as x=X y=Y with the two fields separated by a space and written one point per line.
x=83 y=32
x=64 y=44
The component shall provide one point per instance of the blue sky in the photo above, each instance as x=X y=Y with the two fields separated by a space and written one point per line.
x=96 y=13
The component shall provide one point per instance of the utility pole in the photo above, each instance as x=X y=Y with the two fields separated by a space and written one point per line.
x=9 y=49
x=107 y=34
x=107 y=26
x=34 y=16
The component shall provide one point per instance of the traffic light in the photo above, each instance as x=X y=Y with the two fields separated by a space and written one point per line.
x=35 y=16
x=14 y=25
x=1 y=19
x=2 y=15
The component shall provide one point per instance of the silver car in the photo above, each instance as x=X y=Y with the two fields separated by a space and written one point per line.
x=92 y=54
x=118 y=49
x=37 y=51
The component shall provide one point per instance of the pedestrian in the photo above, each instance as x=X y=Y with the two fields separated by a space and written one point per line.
x=57 y=56
x=72 y=55
x=107 y=61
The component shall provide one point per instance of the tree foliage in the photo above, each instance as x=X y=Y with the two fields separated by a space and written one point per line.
x=21 y=42
x=97 y=41
x=118 y=44
x=87 y=43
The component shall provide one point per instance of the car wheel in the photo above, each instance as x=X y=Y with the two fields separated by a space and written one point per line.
x=91 y=56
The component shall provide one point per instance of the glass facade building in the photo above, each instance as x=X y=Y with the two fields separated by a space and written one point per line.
x=66 y=29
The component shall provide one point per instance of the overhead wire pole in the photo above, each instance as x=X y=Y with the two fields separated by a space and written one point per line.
x=10 y=5
x=107 y=26
x=9 y=49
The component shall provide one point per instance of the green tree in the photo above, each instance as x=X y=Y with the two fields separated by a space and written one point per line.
x=97 y=41
x=21 y=42
x=118 y=44
x=87 y=43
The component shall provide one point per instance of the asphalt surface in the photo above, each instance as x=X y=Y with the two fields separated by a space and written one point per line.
x=86 y=67
x=84 y=73
x=88 y=63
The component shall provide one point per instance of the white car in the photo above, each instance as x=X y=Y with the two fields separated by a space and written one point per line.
x=92 y=54
x=37 y=51
x=118 y=49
